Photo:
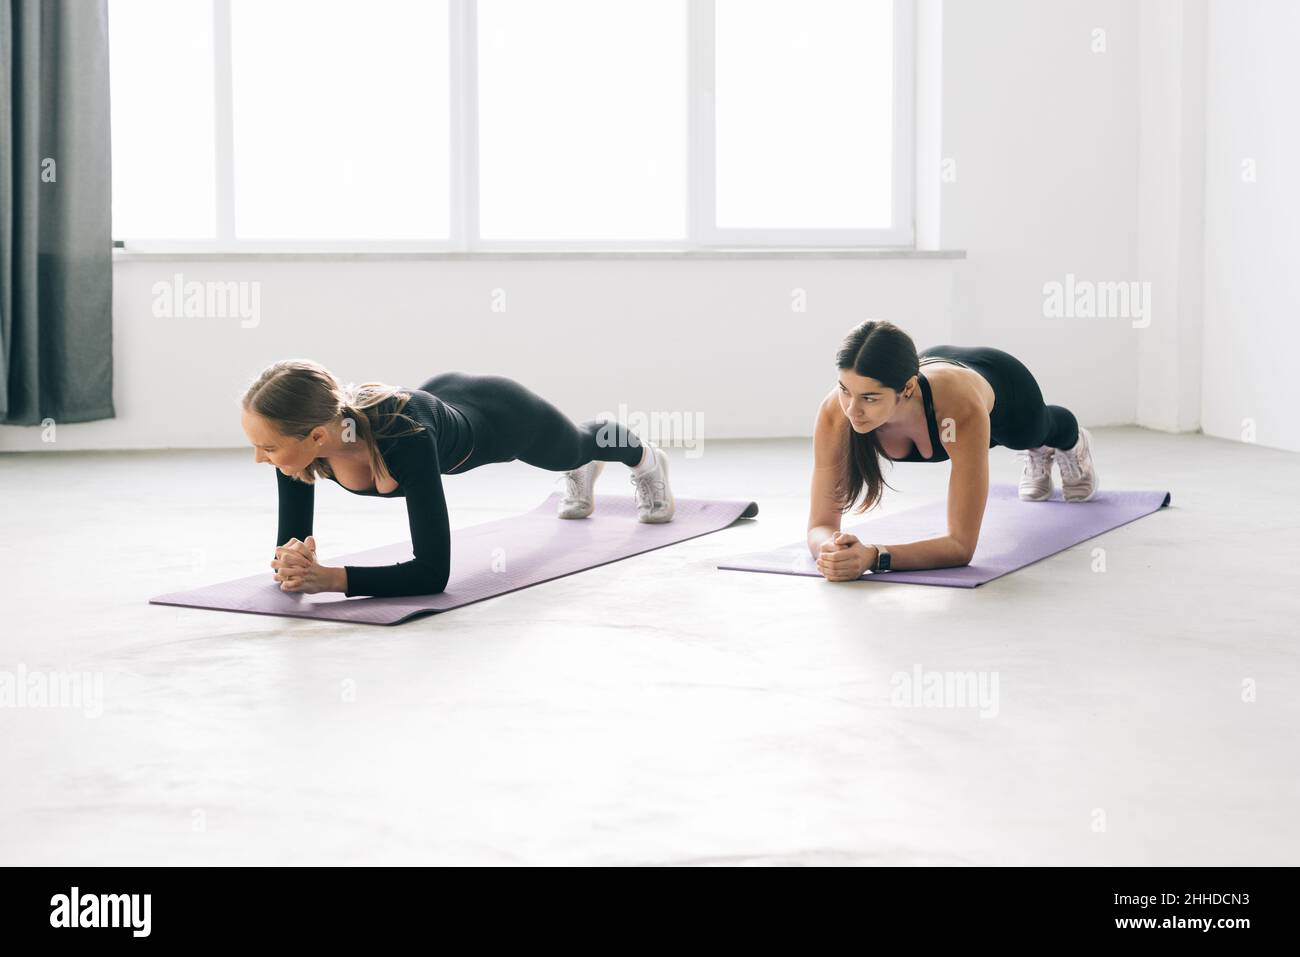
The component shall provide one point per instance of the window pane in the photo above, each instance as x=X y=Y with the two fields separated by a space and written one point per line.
x=160 y=82
x=804 y=94
x=341 y=117
x=582 y=119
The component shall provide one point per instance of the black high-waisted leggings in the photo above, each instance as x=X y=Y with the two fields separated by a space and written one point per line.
x=511 y=422
x=1020 y=418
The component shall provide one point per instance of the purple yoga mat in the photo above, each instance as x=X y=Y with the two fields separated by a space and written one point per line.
x=1013 y=534
x=486 y=560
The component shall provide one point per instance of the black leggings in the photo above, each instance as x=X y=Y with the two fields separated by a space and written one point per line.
x=1020 y=418
x=511 y=422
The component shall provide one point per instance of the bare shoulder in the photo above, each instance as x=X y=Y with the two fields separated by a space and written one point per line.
x=830 y=437
x=828 y=410
x=959 y=393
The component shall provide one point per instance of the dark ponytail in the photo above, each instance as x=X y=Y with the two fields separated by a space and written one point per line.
x=881 y=351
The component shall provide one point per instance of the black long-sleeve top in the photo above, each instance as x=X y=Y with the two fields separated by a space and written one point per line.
x=417 y=462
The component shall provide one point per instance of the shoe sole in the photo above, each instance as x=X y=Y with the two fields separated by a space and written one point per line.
x=672 y=501
x=1096 y=487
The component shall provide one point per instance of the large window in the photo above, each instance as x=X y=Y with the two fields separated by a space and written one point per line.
x=490 y=124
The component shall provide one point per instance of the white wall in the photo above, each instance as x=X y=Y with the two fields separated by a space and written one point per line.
x=1044 y=135
x=717 y=338
x=1171 y=211
x=1252 y=229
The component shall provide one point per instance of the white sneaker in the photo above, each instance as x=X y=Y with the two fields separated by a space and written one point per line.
x=579 y=499
x=1036 y=478
x=654 y=498
x=1078 y=474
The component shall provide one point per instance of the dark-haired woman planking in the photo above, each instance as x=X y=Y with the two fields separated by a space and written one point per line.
x=967 y=400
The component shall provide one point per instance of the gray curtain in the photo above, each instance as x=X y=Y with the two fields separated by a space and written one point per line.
x=56 y=267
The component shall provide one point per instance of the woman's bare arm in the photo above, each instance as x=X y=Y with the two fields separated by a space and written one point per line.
x=830 y=446
x=968 y=492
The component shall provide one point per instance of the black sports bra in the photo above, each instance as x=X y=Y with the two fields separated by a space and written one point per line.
x=937 y=451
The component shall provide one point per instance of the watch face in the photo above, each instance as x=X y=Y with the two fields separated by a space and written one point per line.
x=882 y=563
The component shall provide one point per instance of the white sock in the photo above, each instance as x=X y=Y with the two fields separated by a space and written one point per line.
x=647 y=463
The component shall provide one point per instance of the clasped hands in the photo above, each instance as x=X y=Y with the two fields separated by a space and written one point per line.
x=297 y=570
x=843 y=557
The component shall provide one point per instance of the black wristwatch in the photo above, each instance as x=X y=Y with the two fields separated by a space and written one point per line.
x=884 y=561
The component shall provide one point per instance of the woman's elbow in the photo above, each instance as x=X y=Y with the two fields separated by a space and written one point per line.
x=426 y=578
x=962 y=553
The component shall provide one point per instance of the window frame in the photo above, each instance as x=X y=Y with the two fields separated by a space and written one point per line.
x=707 y=234
x=702 y=233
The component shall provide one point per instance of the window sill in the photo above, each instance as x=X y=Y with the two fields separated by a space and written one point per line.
x=444 y=255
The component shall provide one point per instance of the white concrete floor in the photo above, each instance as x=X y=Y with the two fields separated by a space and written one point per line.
x=655 y=710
